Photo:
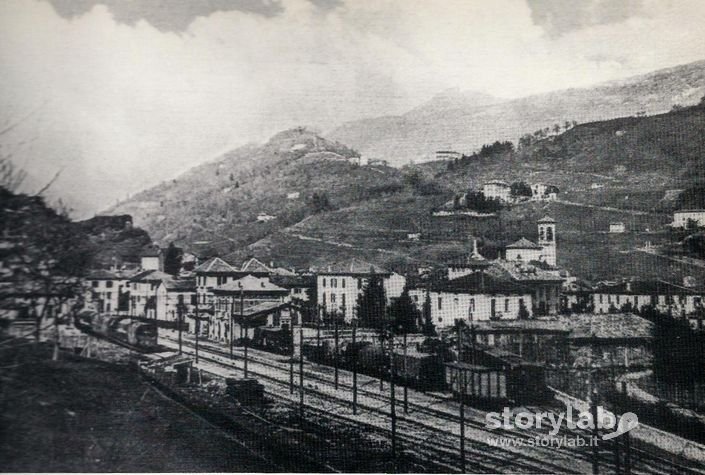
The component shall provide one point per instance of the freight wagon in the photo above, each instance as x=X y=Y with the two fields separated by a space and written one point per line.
x=500 y=385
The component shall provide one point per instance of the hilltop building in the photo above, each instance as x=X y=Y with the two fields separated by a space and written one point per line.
x=448 y=155
x=681 y=218
x=544 y=192
x=497 y=189
x=617 y=228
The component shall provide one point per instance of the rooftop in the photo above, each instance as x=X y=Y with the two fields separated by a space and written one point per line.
x=607 y=326
x=215 y=265
x=250 y=283
x=524 y=243
x=479 y=283
x=523 y=272
x=353 y=266
x=546 y=219
x=646 y=287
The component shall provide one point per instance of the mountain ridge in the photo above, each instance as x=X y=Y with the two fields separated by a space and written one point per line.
x=415 y=137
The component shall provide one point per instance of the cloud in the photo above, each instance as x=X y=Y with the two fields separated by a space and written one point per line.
x=165 y=15
x=558 y=17
x=131 y=103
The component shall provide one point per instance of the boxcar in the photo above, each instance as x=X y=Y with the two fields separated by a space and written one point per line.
x=499 y=385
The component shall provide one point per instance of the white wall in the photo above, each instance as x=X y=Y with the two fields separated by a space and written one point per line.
x=454 y=306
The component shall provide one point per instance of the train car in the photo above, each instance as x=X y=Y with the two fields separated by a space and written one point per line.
x=84 y=319
x=143 y=335
x=420 y=370
x=499 y=385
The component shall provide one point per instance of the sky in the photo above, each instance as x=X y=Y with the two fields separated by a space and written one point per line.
x=118 y=95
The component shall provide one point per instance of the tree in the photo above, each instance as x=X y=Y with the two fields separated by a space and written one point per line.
x=429 y=329
x=523 y=311
x=47 y=255
x=520 y=188
x=404 y=313
x=372 y=302
x=172 y=260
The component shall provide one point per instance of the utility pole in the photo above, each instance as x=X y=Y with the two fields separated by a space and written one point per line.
x=180 y=316
x=198 y=329
x=243 y=326
x=392 y=396
x=318 y=332
x=301 y=371
x=291 y=359
x=354 y=365
x=335 y=356
x=462 y=390
x=406 y=380
x=593 y=442
x=232 y=326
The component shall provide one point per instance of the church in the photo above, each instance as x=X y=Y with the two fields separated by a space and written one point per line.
x=545 y=251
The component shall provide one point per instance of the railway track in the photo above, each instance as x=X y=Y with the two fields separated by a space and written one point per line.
x=645 y=461
x=436 y=440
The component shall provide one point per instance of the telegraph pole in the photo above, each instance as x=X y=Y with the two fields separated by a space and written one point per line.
x=392 y=396
x=335 y=356
x=593 y=442
x=301 y=371
x=291 y=359
x=406 y=380
x=180 y=316
x=354 y=365
x=462 y=390
x=198 y=328
x=243 y=326
x=232 y=326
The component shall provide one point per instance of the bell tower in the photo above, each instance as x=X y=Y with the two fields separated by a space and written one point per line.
x=547 y=239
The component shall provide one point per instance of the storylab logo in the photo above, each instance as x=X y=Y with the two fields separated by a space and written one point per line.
x=606 y=421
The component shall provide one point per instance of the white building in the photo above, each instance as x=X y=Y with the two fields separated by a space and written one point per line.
x=497 y=189
x=264 y=217
x=547 y=239
x=544 y=191
x=474 y=297
x=664 y=296
x=340 y=284
x=293 y=196
x=682 y=217
x=448 y=155
x=151 y=258
x=105 y=288
x=617 y=228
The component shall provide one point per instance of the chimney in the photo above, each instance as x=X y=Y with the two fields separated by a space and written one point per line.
x=629 y=286
x=271 y=264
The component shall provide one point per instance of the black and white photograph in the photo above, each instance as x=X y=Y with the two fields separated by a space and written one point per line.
x=352 y=236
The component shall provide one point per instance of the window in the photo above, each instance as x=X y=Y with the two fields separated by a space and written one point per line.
x=440 y=303
x=600 y=298
x=359 y=283
x=472 y=305
x=342 y=283
x=324 y=282
x=109 y=295
x=324 y=298
x=109 y=283
x=342 y=298
x=636 y=300
x=549 y=233
x=416 y=298
x=95 y=283
x=617 y=299
x=332 y=298
x=334 y=283
x=493 y=308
